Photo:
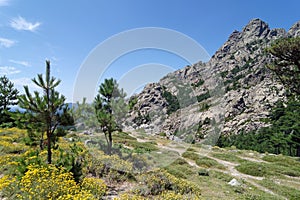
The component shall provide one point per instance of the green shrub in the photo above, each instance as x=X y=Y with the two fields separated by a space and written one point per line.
x=203 y=96
x=203 y=172
x=190 y=155
x=132 y=102
x=252 y=168
x=290 y=193
x=158 y=181
x=180 y=169
x=95 y=186
x=199 y=83
x=208 y=162
x=173 y=103
x=228 y=157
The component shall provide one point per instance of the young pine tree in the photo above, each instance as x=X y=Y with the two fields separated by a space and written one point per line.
x=44 y=108
x=8 y=97
x=110 y=109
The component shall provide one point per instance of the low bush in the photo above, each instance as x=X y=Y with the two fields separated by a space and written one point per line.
x=203 y=172
x=111 y=167
x=95 y=186
x=252 y=168
x=158 y=181
x=208 y=162
x=190 y=155
x=39 y=182
x=180 y=169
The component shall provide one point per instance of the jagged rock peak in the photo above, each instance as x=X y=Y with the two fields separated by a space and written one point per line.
x=256 y=28
x=295 y=30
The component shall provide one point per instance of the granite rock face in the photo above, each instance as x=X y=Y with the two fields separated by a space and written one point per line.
x=232 y=92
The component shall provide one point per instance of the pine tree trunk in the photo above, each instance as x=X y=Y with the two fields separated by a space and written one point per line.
x=109 y=143
x=298 y=151
x=49 y=148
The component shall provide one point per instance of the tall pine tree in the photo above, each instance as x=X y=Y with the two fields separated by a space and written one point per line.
x=45 y=109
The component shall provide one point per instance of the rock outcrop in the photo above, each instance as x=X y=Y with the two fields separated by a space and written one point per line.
x=232 y=92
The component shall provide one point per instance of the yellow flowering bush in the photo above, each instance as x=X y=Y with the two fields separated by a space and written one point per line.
x=5 y=182
x=84 y=195
x=11 y=147
x=6 y=159
x=127 y=196
x=50 y=183
x=95 y=186
x=110 y=166
x=158 y=181
x=169 y=196
x=12 y=134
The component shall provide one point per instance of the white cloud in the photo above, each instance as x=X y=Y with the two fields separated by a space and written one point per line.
x=20 y=82
x=4 y=2
x=4 y=42
x=24 y=63
x=7 y=70
x=21 y=24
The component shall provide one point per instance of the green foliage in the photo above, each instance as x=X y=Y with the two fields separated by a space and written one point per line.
x=8 y=97
x=282 y=137
x=286 y=62
x=190 y=155
x=253 y=168
x=71 y=160
x=173 y=103
x=228 y=157
x=45 y=112
x=180 y=169
x=110 y=109
x=202 y=161
x=132 y=102
x=203 y=96
x=203 y=172
x=283 y=165
x=204 y=107
x=224 y=74
x=111 y=167
x=289 y=192
x=158 y=181
x=208 y=162
x=198 y=83
x=141 y=119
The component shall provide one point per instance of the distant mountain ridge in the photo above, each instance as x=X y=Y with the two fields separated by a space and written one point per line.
x=233 y=91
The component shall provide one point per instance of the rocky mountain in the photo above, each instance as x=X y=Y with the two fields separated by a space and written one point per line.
x=233 y=91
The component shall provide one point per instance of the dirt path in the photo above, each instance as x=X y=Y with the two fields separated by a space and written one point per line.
x=230 y=166
x=230 y=169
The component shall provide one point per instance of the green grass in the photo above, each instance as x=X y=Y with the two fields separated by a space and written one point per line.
x=227 y=156
x=190 y=155
x=122 y=136
x=221 y=176
x=208 y=163
x=181 y=169
x=253 y=168
x=290 y=193
x=283 y=160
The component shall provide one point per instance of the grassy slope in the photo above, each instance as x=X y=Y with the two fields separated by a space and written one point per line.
x=261 y=176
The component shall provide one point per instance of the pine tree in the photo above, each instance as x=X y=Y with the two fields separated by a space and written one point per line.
x=110 y=109
x=44 y=109
x=286 y=62
x=8 y=97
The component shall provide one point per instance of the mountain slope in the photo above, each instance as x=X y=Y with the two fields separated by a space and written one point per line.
x=232 y=92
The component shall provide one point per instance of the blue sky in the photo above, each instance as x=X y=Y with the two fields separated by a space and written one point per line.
x=67 y=31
